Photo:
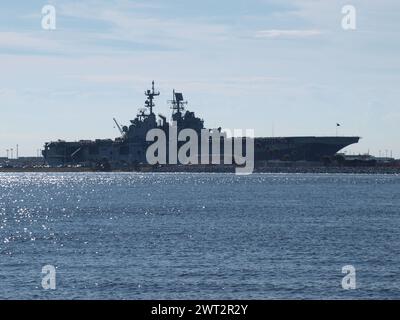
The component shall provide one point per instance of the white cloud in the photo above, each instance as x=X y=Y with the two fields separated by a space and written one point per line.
x=6 y=93
x=229 y=85
x=130 y=24
x=19 y=40
x=276 y=33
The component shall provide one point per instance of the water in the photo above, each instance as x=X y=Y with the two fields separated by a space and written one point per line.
x=199 y=236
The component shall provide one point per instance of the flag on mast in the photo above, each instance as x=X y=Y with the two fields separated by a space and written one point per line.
x=337 y=125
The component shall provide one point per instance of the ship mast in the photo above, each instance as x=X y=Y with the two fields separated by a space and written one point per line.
x=150 y=94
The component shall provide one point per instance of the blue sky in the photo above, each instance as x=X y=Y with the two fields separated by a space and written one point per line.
x=258 y=64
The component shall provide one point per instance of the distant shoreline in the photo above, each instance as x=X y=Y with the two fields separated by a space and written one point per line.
x=214 y=169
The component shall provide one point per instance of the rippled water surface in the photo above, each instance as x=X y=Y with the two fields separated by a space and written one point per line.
x=199 y=236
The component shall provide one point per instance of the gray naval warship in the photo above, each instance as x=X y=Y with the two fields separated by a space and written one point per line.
x=129 y=149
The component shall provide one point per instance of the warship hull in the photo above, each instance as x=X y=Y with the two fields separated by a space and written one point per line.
x=130 y=148
x=307 y=148
x=119 y=153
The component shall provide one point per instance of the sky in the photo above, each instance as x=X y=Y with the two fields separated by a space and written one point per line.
x=280 y=67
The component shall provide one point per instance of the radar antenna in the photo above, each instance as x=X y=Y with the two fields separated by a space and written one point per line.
x=177 y=102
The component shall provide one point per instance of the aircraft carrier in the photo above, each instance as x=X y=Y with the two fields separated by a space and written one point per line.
x=129 y=149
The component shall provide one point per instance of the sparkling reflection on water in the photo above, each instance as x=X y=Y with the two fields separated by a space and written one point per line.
x=199 y=236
